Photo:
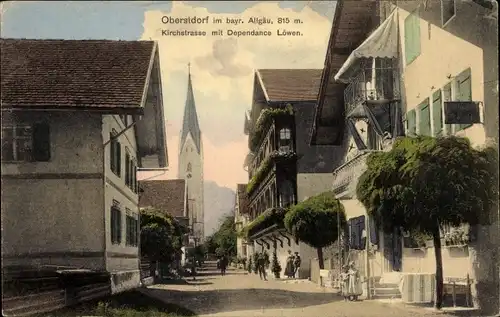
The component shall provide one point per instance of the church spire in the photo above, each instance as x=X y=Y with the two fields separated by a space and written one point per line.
x=190 y=120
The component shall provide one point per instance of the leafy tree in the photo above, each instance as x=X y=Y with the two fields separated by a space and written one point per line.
x=424 y=183
x=223 y=241
x=276 y=266
x=315 y=221
x=161 y=236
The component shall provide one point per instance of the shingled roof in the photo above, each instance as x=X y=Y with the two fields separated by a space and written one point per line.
x=96 y=74
x=166 y=195
x=290 y=84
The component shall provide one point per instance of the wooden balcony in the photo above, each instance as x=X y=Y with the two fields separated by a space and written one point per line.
x=374 y=83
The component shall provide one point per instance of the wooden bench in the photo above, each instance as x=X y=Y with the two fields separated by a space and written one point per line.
x=458 y=286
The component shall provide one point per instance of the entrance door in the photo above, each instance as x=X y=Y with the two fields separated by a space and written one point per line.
x=393 y=250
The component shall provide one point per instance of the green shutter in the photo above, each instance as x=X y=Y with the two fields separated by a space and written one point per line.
x=41 y=142
x=412 y=37
x=412 y=123
x=447 y=97
x=127 y=169
x=437 y=113
x=464 y=92
x=424 y=123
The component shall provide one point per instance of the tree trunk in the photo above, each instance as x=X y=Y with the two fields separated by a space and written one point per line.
x=438 y=301
x=320 y=258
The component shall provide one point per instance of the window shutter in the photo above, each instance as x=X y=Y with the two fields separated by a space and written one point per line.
x=119 y=227
x=41 y=142
x=118 y=159
x=112 y=153
x=416 y=34
x=447 y=97
x=361 y=226
x=464 y=92
x=408 y=34
x=437 y=113
x=424 y=118
x=412 y=122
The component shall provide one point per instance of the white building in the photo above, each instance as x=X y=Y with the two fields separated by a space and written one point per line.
x=191 y=164
x=78 y=119
x=411 y=60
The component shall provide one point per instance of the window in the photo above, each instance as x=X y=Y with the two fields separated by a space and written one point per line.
x=437 y=113
x=132 y=231
x=411 y=123
x=285 y=143
x=448 y=10
x=463 y=92
x=116 y=224
x=356 y=227
x=189 y=168
x=115 y=154
x=412 y=37
x=26 y=143
x=424 y=122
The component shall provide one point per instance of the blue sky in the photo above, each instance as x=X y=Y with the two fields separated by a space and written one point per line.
x=222 y=67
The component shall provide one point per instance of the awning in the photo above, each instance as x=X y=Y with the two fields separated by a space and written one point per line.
x=382 y=43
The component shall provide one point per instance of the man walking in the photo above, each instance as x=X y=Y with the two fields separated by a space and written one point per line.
x=223 y=265
x=261 y=266
x=296 y=264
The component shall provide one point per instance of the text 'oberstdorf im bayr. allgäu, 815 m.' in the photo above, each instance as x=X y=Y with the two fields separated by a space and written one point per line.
x=231 y=26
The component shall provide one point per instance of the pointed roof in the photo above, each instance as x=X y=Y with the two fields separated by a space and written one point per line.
x=190 y=120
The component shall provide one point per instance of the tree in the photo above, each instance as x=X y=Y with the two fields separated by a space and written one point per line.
x=161 y=236
x=316 y=221
x=223 y=241
x=424 y=183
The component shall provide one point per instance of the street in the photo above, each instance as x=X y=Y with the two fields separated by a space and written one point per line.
x=240 y=294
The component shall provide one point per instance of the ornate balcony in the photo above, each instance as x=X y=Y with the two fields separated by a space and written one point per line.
x=345 y=176
x=376 y=82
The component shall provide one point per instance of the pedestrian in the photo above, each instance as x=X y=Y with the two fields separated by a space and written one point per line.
x=261 y=266
x=289 y=269
x=223 y=265
x=296 y=263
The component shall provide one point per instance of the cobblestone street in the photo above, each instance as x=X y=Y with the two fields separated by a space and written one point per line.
x=240 y=294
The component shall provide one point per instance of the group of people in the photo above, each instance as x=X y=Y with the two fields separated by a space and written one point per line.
x=222 y=263
x=292 y=268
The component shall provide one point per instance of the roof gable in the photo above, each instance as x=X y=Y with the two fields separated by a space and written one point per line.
x=166 y=195
x=76 y=74
x=290 y=84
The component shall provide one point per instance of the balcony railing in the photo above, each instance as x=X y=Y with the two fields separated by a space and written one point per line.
x=345 y=177
x=377 y=83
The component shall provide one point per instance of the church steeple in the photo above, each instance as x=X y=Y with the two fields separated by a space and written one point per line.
x=190 y=120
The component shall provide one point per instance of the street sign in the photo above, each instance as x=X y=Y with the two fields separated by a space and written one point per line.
x=461 y=112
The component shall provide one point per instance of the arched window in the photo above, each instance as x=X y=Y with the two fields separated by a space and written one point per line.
x=189 y=168
x=285 y=142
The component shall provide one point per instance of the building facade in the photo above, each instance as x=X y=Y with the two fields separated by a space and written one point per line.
x=396 y=83
x=240 y=219
x=191 y=163
x=72 y=141
x=283 y=167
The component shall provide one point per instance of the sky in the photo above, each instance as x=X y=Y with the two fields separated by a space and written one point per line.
x=222 y=67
